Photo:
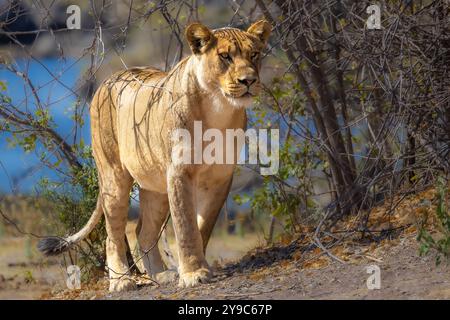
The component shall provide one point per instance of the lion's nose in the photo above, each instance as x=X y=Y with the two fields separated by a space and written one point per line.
x=247 y=80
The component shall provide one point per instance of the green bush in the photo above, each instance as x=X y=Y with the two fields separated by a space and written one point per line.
x=287 y=195
x=74 y=202
x=440 y=243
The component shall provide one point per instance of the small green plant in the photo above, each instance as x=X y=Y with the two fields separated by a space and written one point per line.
x=28 y=277
x=441 y=242
x=2 y=230
x=74 y=201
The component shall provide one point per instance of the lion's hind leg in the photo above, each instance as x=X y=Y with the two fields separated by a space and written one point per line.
x=154 y=209
x=115 y=189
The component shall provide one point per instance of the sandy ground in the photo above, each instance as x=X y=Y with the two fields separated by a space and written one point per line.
x=280 y=273
x=26 y=274
x=23 y=273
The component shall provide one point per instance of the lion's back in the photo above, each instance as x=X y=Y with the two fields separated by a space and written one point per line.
x=113 y=93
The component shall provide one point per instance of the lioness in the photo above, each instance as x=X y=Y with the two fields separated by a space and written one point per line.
x=133 y=115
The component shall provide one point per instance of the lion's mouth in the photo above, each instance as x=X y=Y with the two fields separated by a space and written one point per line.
x=247 y=95
x=244 y=95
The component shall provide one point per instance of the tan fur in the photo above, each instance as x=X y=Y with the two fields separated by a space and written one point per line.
x=132 y=117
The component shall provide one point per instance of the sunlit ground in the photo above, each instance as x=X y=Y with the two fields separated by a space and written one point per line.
x=26 y=274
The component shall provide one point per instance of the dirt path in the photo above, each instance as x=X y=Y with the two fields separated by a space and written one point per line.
x=279 y=273
x=23 y=273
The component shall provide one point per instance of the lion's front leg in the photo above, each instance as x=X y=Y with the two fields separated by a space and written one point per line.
x=210 y=200
x=193 y=268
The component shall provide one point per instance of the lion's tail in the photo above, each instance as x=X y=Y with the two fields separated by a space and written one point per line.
x=52 y=246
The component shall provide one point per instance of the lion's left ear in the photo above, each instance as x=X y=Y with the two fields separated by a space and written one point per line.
x=261 y=29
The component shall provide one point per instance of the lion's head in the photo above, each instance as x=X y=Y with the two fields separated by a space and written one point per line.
x=229 y=59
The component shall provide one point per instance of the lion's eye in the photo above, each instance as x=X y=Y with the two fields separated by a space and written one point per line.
x=225 y=56
x=254 y=55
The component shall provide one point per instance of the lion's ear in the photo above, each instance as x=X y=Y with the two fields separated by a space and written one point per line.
x=261 y=29
x=198 y=37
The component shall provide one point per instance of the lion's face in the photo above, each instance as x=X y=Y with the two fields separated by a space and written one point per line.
x=229 y=60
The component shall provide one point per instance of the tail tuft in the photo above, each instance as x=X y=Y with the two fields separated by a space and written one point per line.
x=52 y=246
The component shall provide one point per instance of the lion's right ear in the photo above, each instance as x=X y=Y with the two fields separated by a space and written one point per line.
x=198 y=37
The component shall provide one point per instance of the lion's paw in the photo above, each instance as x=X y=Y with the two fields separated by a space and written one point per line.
x=192 y=279
x=166 y=277
x=121 y=285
